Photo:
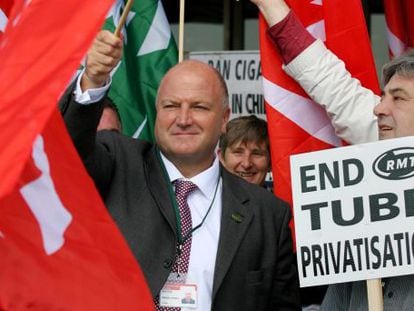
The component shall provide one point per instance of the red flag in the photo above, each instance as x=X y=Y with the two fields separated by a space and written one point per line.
x=43 y=44
x=297 y=124
x=396 y=35
x=5 y=8
x=60 y=250
x=408 y=8
x=399 y=15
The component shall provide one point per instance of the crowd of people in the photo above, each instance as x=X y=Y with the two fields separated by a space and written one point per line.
x=237 y=251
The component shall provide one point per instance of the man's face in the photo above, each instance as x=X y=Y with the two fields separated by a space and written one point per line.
x=248 y=160
x=395 y=112
x=190 y=115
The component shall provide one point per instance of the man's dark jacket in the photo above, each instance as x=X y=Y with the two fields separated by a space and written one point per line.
x=254 y=268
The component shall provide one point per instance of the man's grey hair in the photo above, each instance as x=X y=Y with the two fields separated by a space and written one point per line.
x=402 y=65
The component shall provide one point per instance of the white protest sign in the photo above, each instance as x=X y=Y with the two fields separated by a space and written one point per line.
x=354 y=212
x=243 y=75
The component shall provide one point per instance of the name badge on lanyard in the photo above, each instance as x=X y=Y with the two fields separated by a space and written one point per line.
x=176 y=293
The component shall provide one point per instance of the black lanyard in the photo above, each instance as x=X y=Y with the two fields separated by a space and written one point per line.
x=189 y=233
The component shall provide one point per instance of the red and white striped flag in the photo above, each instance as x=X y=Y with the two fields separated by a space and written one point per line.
x=297 y=124
x=399 y=15
x=59 y=248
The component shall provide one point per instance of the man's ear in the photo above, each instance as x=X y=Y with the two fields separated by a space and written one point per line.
x=220 y=155
x=226 y=118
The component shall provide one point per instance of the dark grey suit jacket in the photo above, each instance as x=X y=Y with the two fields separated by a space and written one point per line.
x=398 y=294
x=254 y=265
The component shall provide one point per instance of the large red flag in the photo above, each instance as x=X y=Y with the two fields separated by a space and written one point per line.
x=60 y=250
x=297 y=124
x=399 y=15
x=43 y=43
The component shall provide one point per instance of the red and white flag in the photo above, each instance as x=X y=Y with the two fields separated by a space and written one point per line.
x=43 y=43
x=297 y=124
x=399 y=15
x=59 y=248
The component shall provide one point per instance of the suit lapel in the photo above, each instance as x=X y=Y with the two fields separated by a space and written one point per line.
x=158 y=186
x=235 y=220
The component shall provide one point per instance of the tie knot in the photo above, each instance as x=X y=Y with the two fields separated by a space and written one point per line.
x=184 y=187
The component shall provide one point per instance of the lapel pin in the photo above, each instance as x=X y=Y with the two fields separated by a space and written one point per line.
x=237 y=217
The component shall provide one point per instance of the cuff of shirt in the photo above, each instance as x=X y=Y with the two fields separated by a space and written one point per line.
x=290 y=36
x=92 y=95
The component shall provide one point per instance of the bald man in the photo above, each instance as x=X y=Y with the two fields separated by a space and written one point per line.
x=241 y=250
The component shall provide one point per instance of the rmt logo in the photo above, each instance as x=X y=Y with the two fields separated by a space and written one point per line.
x=395 y=164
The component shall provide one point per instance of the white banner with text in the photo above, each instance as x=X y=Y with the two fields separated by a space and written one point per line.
x=243 y=75
x=354 y=212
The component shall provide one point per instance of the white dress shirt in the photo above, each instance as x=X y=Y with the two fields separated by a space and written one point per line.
x=205 y=239
x=92 y=95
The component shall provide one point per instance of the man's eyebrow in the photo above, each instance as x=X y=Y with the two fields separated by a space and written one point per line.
x=398 y=90
x=169 y=100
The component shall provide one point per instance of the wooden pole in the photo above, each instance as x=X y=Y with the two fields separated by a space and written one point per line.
x=375 y=296
x=227 y=24
x=123 y=18
x=181 y=32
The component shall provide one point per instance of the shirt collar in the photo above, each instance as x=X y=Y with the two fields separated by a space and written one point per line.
x=206 y=181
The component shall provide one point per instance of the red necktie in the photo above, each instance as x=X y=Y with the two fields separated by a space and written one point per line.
x=183 y=188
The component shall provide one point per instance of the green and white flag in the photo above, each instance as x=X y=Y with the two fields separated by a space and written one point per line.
x=149 y=51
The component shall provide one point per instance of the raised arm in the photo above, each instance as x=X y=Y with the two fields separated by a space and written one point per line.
x=81 y=105
x=102 y=57
x=321 y=74
x=273 y=11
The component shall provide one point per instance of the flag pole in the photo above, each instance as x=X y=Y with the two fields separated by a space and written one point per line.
x=375 y=298
x=123 y=17
x=181 y=32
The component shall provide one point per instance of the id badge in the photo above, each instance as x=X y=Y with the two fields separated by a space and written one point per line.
x=178 y=294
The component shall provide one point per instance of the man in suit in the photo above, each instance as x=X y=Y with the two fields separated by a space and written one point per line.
x=241 y=248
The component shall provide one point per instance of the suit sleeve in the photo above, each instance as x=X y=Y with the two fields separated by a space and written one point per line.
x=81 y=122
x=286 y=283
x=338 y=297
